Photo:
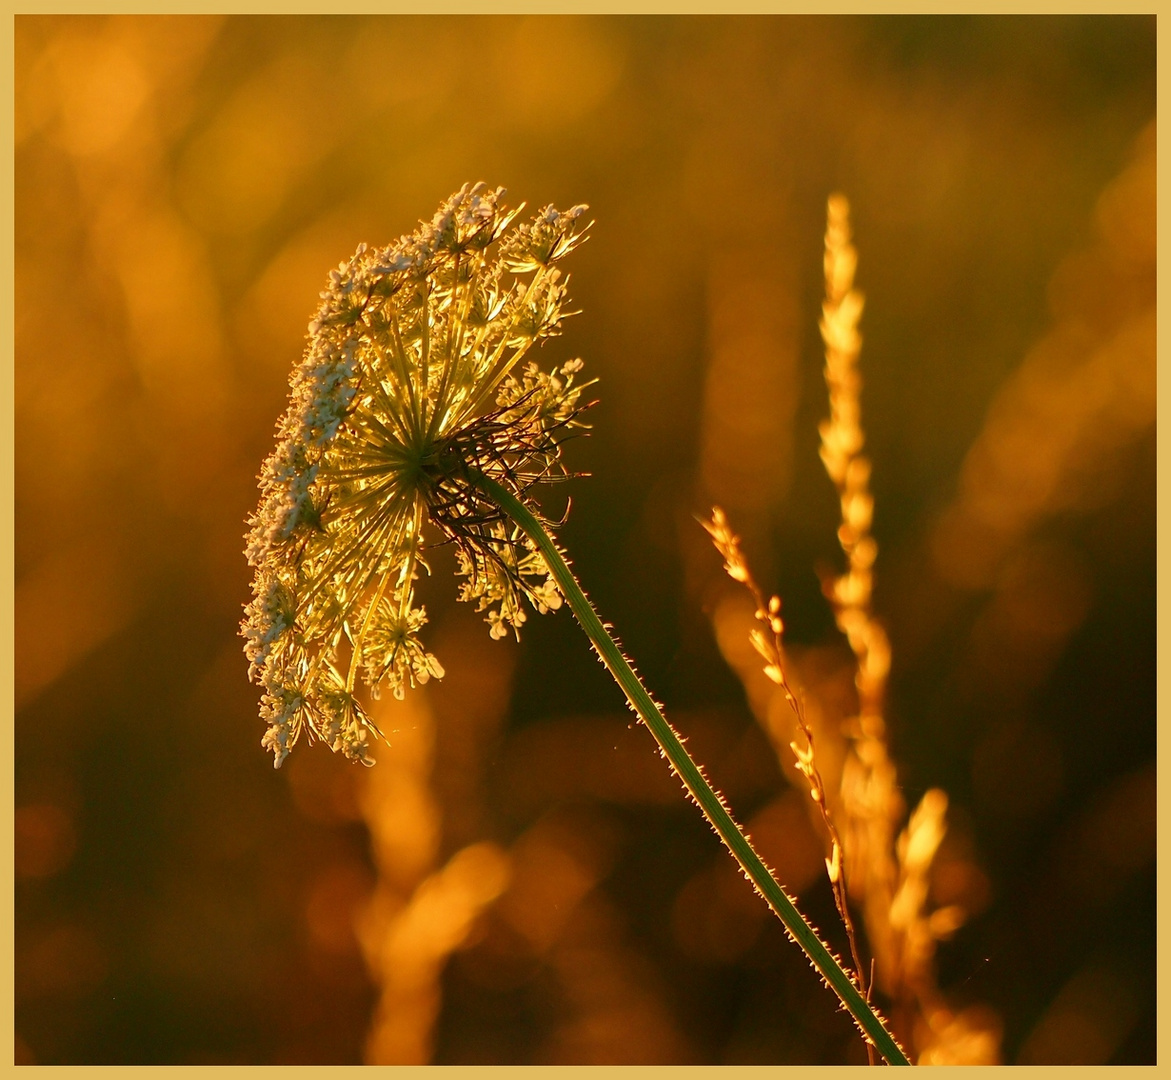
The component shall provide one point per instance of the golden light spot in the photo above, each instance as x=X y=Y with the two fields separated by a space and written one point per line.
x=1084 y=392
x=784 y=836
x=173 y=306
x=334 y=898
x=563 y=67
x=45 y=840
x=237 y=173
x=717 y=916
x=396 y=797
x=65 y=607
x=65 y=960
x=324 y=789
x=271 y=320
x=1087 y=1021
x=970 y=1037
x=1043 y=595
x=102 y=87
x=553 y=871
x=750 y=390
x=1017 y=769
x=408 y=946
x=1115 y=838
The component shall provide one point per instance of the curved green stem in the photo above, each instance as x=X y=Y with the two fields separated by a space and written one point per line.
x=710 y=802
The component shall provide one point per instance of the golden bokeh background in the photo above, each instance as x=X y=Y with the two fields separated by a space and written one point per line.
x=519 y=879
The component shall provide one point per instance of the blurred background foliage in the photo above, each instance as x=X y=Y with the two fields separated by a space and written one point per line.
x=519 y=879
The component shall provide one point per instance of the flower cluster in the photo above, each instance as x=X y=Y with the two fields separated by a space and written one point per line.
x=410 y=389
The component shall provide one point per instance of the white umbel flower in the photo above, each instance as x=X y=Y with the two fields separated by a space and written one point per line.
x=410 y=387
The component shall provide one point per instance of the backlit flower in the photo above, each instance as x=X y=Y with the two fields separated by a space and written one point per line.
x=411 y=386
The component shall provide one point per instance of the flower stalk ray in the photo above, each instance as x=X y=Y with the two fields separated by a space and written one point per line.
x=415 y=372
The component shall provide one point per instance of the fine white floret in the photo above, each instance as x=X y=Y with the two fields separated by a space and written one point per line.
x=410 y=388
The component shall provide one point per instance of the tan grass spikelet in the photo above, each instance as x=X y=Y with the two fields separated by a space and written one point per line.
x=870 y=799
x=884 y=868
x=889 y=878
x=768 y=646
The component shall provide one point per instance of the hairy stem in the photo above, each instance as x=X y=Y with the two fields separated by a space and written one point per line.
x=693 y=779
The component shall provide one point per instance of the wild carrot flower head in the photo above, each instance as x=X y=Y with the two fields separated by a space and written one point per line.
x=411 y=386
